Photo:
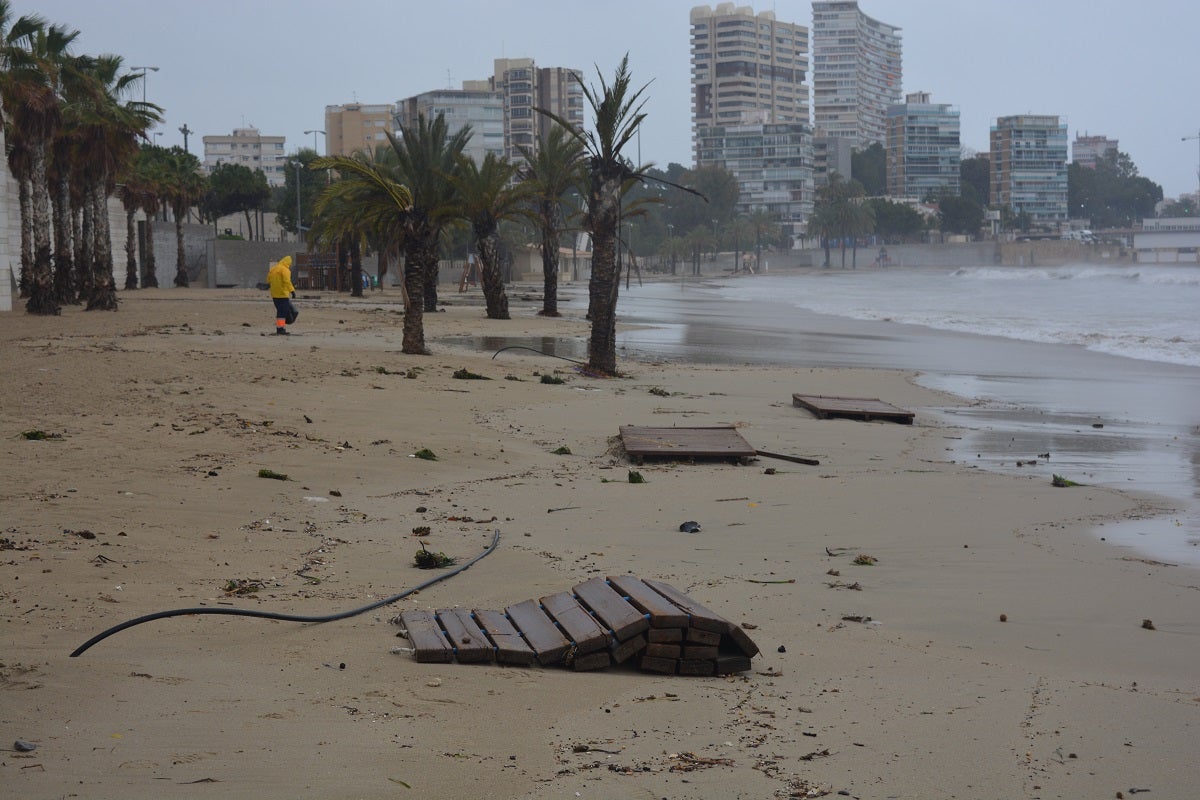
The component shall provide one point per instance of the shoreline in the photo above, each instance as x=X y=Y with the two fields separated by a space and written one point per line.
x=937 y=698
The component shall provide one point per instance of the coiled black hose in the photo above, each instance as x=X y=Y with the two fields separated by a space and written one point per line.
x=245 y=612
x=535 y=350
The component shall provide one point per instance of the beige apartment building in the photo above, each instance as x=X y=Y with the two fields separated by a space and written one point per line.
x=524 y=86
x=356 y=126
x=248 y=147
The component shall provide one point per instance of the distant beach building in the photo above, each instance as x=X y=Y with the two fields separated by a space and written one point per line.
x=353 y=127
x=831 y=154
x=1087 y=150
x=1029 y=166
x=923 y=148
x=1168 y=240
x=248 y=147
x=750 y=108
x=857 y=71
x=500 y=108
x=475 y=104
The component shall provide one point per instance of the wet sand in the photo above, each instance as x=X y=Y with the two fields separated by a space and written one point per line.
x=169 y=408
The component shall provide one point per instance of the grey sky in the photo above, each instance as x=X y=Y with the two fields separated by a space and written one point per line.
x=1127 y=70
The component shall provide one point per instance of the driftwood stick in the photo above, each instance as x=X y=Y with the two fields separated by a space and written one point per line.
x=812 y=462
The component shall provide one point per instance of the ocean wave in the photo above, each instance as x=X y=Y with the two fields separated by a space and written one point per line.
x=1140 y=273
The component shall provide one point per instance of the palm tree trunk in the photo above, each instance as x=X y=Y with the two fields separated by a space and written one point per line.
x=41 y=275
x=85 y=264
x=103 y=293
x=131 y=275
x=66 y=285
x=490 y=278
x=355 y=268
x=605 y=282
x=181 y=276
x=150 y=268
x=549 y=271
x=25 y=199
x=414 y=278
x=430 y=269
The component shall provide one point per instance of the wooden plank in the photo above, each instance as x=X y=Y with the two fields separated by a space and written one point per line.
x=705 y=619
x=657 y=650
x=665 y=635
x=426 y=637
x=696 y=667
x=722 y=441
x=584 y=632
x=471 y=645
x=611 y=609
x=697 y=652
x=697 y=636
x=654 y=664
x=860 y=408
x=623 y=651
x=539 y=631
x=698 y=615
x=726 y=664
x=591 y=661
x=663 y=613
x=510 y=647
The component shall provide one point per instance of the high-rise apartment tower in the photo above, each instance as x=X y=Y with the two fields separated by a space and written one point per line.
x=923 y=148
x=1029 y=166
x=856 y=72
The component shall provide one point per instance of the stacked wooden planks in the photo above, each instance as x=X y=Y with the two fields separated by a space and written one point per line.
x=866 y=409
x=601 y=622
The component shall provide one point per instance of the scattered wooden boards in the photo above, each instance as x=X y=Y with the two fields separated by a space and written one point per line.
x=621 y=619
x=860 y=408
x=719 y=441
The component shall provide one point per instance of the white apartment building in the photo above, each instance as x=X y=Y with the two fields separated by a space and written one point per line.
x=248 y=147
x=856 y=72
x=1087 y=150
x=747 y=69
x=476 y=104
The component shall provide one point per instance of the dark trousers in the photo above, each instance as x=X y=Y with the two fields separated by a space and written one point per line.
x=284 y=309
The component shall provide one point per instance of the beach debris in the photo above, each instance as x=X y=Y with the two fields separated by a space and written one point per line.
x=36 y=435
x=769 y=471
x=334 y=493
x=465 y=374
x=552 y=380
x=690 y=762
x=857 y=618
x=562 y=508
x=685 y=444
x=427 y=559
x=856 y=586
x=272 y=474
x=84 y=534
x=241 y=587
x=1044 y=455
x=812 y=462
x=1004 y=617
x=1061 y=482
x=834 y=572
x=1097 y=424
x=22 y=746
x=424 y=453
x=785 y=580
x=864 y=409
x=659 y=391
x=1148 y=625
x=421 y=530
x=691 y=526
x=864 y=560
x=781 y=649
x=839 y=551
x=636 y=477
x=562 y=451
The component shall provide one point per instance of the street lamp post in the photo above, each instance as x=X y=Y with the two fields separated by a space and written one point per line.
x=299 y=227
x=1188 y=139
x=671 y=244
x=314 y=135
x=143 y=71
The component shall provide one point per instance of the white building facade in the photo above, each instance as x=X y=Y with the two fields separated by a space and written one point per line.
x=248 y=147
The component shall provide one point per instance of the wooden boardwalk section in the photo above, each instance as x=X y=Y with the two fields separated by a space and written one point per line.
x=621 y=619
x=865 y=409
x=719 y=441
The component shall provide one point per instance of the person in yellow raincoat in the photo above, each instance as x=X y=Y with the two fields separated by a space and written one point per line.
x=279 y=281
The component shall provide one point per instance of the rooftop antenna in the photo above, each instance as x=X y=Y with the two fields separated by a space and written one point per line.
x=449 y=80
x=355 y=96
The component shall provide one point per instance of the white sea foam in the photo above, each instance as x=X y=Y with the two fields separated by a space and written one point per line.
x=1144 y=312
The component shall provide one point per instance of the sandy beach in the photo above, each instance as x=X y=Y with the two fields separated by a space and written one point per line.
x=997 y=649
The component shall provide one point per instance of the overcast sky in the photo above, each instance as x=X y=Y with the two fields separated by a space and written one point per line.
x=1129 y=70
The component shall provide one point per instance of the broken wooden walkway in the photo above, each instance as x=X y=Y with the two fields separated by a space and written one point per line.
x=865 y=409
x=718 y=441
x=599 y=623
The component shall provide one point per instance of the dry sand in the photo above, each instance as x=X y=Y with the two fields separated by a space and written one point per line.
x=151 y=501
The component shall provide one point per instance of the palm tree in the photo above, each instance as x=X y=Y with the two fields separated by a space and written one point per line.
x=840 y=214
x=185 y=187
x=484 y=198
x=149 y=176
x=30 y=88
x=552 y=171
x=426 y=154
x=371 y=191
x=16 y=36
x=617 y=111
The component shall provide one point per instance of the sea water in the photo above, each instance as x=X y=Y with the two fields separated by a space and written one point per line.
x=1099 y=366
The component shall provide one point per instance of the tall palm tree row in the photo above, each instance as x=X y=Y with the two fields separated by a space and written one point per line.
x=552 y=172
x=617 y=110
